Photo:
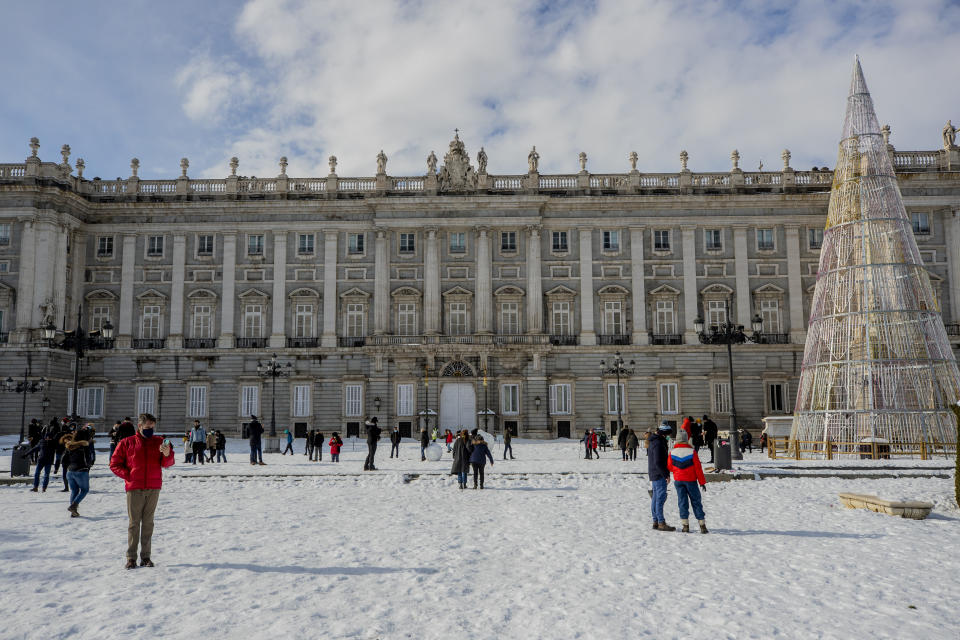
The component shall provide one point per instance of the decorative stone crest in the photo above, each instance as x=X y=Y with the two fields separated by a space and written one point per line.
x=34 y=146
x=457 y=173
x=735 y=159
x=65 y=165
x=184 y=165
x=80 y=167
x=785 y=156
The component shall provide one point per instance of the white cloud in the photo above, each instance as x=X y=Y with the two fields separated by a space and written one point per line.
x=211 y=88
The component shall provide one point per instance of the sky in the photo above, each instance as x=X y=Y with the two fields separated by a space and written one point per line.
x=262 y=79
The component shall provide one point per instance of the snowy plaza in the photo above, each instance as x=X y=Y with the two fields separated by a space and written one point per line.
x=556 y=546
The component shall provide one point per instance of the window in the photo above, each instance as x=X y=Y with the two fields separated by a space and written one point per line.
x=150 y=322
x=202 y=321
x=404 y=399
x=776 y=394
x=560 y=241
x=663 y=320
x=560 y=399
x=301 y=400
x=615 y=398
x=303 y=321
x=721 y=397
x=255 y=245
x=458 y=242
x=198 y=402
x=458 y=319
x=770 y=312
x=669 y=401
x=105 y=247
x=612 y=318
x=155 y=246
x=4 y=234
x=205 y=245
x=815 y=238
x=508 y=241
x=89 y=402
x=304 y=244
x=661 y=240
x=764 y=239
x=611 y=241
x=249 y=400
x=355 y=328
x=561 y=319
x=99 y=316
x=407 y=319
x=253 y=321
x=355 y=243
x=713 y=239
x=716 y=313
x=4 y=266
x=353 y=400
x=408 y=242
x=510 y=399
x=145 y=399
x=921 y=223
x=510 y=318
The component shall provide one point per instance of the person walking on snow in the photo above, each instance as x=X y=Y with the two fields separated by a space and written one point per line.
x=78 y=460
x=632 y=444
x=395 y=442
x=289 y=442
x=478 y=459
x=709 y=434
x=684 y=464
x=255 y=430
x=659 y=474
x=335 y=444
x=318 y=440
x=47 y=449
x=373 y=436
x=622 y=442
x=308 y=445
x=586 y=443
x=211 y=445
x=221 y=446
x=198 y=441
x=461 y=459
x=507 y=446
x=594 y=440
x=448 y=438
x=424 y=443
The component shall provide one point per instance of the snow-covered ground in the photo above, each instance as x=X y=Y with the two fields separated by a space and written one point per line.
x=555 y=547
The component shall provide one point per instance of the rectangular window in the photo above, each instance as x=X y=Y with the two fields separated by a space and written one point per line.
x=458 y=242
x=4 y=234
x=661 y=240
x=145 y=399
x=202 y=321
x=253 y=321
x=764 y=239
x=249 y=400
x=301 y=400
x=560 y=241
x=713 y=239
x=105 y=247
x=776 y=393
x=560 y=399
x=353 y=400
x=611 y=240
x=355 y=243
x=561 y=319
x=150 y=322
x=99 y=316
x=814 y=238
x=510 y=399
x=304 y=244
x=663 y=321
x=716 y=313
x=404 y=399
x=612 y=318
x=303 y=321
x=355 y=324
x=155 y=246
x=921 y=223
x=669 y=398
x=89 y=402
x=508 y=241
x=255 y=245
x=615 y=398
x=721 y=397
x=408 y=242
x=198 y=402
x=205 y=245
x=509 y=318
x=458 y=319
x=770 y=312
x=407 y=319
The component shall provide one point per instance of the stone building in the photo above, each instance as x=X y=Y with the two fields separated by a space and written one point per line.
x=459 y=295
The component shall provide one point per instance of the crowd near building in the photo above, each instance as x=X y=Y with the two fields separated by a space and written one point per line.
x=459 y=297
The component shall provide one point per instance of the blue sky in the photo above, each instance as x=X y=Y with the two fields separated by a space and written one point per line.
x=268 y=78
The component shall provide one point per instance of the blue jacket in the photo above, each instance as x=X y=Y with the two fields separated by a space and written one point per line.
x=289 y=438
x=657 y=457
x=198 y=434
x=480 y=450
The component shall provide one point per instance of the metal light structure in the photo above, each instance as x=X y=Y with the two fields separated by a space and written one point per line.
x=273 y=369
x=619 y=369
x=877 y=366
x=79 y=341
x=25 y=386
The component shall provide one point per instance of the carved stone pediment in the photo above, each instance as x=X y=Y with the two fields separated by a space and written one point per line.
x=457 y=173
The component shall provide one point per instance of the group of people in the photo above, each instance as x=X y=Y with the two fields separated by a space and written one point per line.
x=470 y=451
x=65 y=445
x=204 y=446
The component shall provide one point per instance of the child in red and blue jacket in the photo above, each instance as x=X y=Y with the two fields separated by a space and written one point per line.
x=684 y=464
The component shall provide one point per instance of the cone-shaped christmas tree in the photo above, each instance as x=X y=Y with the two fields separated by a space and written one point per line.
x=877 y=366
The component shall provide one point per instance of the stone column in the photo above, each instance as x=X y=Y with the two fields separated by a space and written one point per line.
x=534 y=283
x=381 y=285
x=60 y=276
x=742 y=267
x=690 y=298
x=639 y=287
x=431 y=285
x=329 y=338
x=798 y=331
x=25 y=282
x=484 y=282
x=228 y=291
x=129 y=260
x=175 y=337
x=46 y=261
x=588 y=336
x=78 y=253
x=952 y=228
x=278 y=334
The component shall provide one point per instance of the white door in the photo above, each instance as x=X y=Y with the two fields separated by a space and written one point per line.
x=458 y=406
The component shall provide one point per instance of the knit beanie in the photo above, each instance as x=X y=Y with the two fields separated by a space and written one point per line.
x=681 y=435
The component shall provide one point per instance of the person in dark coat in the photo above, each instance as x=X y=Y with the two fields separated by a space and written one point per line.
x=46 y=451
x=709 y=434
x=373 y=435
x=461 y=458
x=659 y=475
x=507 y=439
x=746 y=440
x=395 y=442
x=696 y=433
x=478 y=459
x=632 y=443
x=77 y=460
x=255 y=431
x=622 y=442
x=586 y=444
x=308 y=445
x=424 y=443
x=318 y=445
x=221 y=446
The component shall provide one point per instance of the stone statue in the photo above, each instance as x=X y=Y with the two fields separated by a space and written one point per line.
x=283 y=165
x=49 y=310
x=633 y=160
x=533 y=159
x=332 y=161
x=134 y=167
x=34 y=146
x=735 y=159
x=785 y=156
x=381 y=163
x=583 y=161
x=885 y=130
x=684 y=157
x=81 y=165
x=184 y=165
x=234 y=163
x=949 y=136
x=482 y=160
x=456 y=174
x=432 y=164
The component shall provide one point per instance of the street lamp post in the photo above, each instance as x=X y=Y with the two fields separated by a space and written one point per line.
x=730 y=334
x=273 y=369
x=78 y=341
x=25 y=386
x=618 y=369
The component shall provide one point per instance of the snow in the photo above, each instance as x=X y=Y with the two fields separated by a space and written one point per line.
x=555 y=547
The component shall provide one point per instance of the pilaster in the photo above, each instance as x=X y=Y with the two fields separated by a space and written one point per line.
x=638 y=285
x=59 y=294
x=229 y=291
x=78 y=255
x=175 y=337
x=691 y=308
x=952 y=228
x=329 y=338
x=278 y=336
x=588 y=336
x=798 y=332
x=534 y=282
x=129 y=260
x=484 y=302
x=381 y=285
x=431 y=284
x=26 y=281
x=742 y=267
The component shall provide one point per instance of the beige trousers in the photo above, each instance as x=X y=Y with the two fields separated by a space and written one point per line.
x=141 y=504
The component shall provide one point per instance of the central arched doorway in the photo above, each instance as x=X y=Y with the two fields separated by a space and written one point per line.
x=458 y=397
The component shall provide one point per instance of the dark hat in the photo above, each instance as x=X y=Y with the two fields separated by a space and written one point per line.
x=253 y=416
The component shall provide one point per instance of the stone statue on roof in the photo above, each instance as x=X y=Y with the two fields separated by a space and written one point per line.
x=949 y=136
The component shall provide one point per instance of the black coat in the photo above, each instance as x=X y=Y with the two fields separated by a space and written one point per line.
x=47 y=448
x=373 y=433
x=622 y=439
x=125 y=430
x=394 y=437
x=709 y=430
x=424 y=439
x=657 y=457
x=255 y=429
x=221 y=441
x=77 y=458
x=461 y=456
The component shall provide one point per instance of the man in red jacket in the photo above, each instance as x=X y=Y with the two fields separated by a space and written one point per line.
x=684 y=463
x=139 y=460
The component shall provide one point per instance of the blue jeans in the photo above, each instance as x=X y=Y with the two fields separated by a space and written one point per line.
x=42 y=466
x=658 y=500
x=221 y=453
x=79 y=482
x=256 y=450
x=462 y=477
x=688 y=491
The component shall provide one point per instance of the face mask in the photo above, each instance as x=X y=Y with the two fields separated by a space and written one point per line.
x=148 y=433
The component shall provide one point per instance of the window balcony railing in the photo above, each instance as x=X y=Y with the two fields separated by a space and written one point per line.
x=303 y=343
x=564 y=340
x=952 y=329
x=200 y=343
x=385 y=340
x=520 y=338
x=4 y=337
x=251 y=343
x=774 y=338
x=99 y=342
x=351 y=341
x=614 y=339
x=149 y=343
x=666 y=338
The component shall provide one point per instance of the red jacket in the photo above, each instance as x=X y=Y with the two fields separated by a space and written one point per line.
x=334 y=447
x=687 y=426
x=449 y=437
x=593 y=439
x=139 y=462
x=684 y=463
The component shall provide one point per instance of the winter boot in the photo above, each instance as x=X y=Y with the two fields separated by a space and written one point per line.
x=73 y=510
x=686 y=526
x=703 y=526
x=663 y=526
x=656 y=525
